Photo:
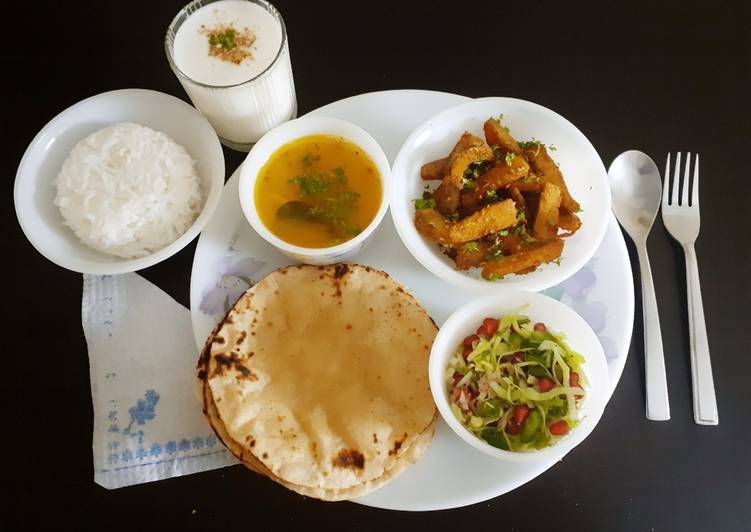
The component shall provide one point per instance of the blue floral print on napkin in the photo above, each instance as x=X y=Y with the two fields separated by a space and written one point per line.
x=167 y=450
x=143 y=411
x=140 y=414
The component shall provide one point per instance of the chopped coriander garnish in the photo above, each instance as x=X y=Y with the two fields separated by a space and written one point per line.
x=521 y=217
x=521 y=230
x=494 y=277
x=557 y=261
x=229 y=44
x=534 y=143
x=223 y=39
x=311 y=184
x=423 y=203
x=509 y=158
x=529 y=143
x=309 y=159
x=473 y=171
x=325 y=198
x=495 y=253
x=552 y=147
x=454 y=216
x=503 y=232
x=339 y=174
x=471 y=247
x=491 y=194
x=500 y=117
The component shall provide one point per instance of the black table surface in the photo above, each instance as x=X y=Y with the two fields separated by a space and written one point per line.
x=654 y=77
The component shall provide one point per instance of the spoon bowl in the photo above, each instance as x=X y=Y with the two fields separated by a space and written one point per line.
x=636 y=187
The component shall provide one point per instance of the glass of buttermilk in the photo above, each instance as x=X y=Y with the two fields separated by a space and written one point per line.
x=232 y=58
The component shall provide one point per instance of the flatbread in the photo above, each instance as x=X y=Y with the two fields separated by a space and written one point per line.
x=318 y=379
x=412 y=455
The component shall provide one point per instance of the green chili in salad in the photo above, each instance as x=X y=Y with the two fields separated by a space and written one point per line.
x=515 y=384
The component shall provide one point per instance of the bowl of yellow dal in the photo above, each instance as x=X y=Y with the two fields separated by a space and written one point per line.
x=316 y=188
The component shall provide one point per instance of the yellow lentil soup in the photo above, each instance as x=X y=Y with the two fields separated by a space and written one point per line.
x=318 y=191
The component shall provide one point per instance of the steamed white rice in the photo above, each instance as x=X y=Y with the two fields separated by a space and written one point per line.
x=128 y=190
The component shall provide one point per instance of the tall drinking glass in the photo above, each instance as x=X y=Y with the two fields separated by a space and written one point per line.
x=240 y=110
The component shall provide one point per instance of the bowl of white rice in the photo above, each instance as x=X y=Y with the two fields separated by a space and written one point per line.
x=119 y=182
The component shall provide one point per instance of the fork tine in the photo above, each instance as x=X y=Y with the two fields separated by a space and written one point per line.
x=695 y=188
x=666 y=183
x=674 y=195
x=686 y=181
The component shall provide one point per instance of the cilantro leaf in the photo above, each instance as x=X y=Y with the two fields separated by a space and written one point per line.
x=309 y=159
x=311 y=184
x=471 y=247
x=424 y=204
x=339 y=174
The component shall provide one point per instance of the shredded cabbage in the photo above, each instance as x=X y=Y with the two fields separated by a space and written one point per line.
x=520 y=371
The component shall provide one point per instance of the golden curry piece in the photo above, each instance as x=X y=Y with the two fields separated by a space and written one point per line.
x=502 y=205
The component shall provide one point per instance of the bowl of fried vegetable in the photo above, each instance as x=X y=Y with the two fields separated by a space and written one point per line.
x=500 y=193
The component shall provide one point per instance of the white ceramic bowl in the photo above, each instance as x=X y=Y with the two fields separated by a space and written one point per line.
x=582 y=168
x=295 y=129
x=558 y=318
x=34 y=191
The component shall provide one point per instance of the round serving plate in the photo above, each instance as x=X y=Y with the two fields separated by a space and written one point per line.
x=230 y=256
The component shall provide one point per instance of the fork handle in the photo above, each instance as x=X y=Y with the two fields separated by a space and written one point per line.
x=705 y=403
x=658 y=407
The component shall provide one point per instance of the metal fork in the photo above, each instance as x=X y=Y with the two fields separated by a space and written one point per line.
x=681 y=217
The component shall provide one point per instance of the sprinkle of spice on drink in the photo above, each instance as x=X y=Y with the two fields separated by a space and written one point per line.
x=229 y=44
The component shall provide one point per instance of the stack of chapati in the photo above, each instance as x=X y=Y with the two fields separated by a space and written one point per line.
x=318 y=379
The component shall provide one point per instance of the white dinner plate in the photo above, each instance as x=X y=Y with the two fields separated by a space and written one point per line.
x=230 y=255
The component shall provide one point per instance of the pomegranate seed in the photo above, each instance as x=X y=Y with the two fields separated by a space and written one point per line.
x=471 y=339
x=559 y=428
x=545 y=384
x=491 y=325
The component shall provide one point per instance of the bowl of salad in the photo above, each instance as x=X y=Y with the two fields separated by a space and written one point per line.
x=519 y=376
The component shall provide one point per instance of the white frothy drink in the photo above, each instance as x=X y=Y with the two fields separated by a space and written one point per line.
x=232 y=58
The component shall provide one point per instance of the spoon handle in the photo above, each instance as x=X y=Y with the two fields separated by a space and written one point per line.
x=658 y=408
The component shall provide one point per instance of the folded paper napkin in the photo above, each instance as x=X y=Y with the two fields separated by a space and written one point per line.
x=148 y=423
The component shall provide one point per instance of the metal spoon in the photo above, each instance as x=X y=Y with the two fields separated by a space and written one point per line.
x=635 y=182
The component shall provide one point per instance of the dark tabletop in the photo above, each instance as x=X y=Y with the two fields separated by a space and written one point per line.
x=650 y=77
